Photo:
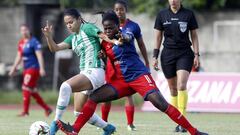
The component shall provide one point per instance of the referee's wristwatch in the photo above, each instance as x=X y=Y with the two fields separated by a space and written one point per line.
x=197 y=54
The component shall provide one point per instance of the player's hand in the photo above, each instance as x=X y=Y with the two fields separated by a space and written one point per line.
x=12 y=72
x=101 y=54
x=155 y=64
x=196 y=62
x=47 y=30
x=120 y=38
x=42 y=72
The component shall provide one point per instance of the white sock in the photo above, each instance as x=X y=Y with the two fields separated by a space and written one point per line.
x=94 y=120
x=63 y=100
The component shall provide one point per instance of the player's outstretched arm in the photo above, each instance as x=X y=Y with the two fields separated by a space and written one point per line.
x=105 y=37
x=47 y=31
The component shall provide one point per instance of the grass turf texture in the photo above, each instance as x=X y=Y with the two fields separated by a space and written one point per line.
x=147 y=123
x=15 y=97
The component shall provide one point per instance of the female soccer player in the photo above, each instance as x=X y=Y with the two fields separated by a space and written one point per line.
x=85 y=42
x=127 y=75
x=29 y=51
x=127 y=25
x=177 y=57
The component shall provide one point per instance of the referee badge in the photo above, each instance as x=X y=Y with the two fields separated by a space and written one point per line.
x=182 y=26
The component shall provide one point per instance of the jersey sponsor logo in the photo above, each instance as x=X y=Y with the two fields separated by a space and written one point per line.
x=89 y=72
x=183 y=26
x=118 y=62
x=174 y=19
x=167 y=23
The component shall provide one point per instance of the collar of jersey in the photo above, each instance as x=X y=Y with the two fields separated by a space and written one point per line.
x=181 y=7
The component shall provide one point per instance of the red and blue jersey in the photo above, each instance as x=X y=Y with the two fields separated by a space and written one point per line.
x=123 y=62
x=131 y=27
x=27 y=50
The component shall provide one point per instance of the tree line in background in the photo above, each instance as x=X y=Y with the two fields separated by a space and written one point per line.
x=141 y=6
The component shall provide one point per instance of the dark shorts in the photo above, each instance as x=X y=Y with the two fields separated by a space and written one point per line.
x=144 y=85
x=173 y=60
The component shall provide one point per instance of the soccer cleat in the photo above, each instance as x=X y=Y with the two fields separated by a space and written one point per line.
x=53 y=128
x=181 y=129
x=201 y=133
x=131 y=127
x=176 y=128
x=48 y=112
x=66 y=128
x=109 y=129
x=23 y=114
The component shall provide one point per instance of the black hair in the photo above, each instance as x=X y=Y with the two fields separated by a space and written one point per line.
x=122 y=2
x=109 y=15
x=74 y=13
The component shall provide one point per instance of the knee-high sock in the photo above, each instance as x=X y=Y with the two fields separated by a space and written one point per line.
x=95 y=120
x=86 y=113
x=63 y=100
x=105 y=108
x=26 y=100
x=130 y=114
x=176 y=116
x=174 y=101
x=40 y=101
x=182 y=101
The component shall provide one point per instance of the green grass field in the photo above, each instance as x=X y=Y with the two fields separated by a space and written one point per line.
x=147 y=123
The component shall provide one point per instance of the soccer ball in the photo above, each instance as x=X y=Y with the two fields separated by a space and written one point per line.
x=39 y=128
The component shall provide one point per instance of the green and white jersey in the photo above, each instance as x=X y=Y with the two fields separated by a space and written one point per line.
x=86 y=44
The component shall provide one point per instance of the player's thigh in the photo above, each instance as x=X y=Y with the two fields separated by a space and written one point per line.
x=96 y=77
x=112 y=91
x=184 y=67
x=144 y=85
x=79 y=83
x=79 y=100
x=122 y=88
x=30 y=78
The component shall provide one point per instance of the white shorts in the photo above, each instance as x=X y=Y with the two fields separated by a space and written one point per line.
x=96 y=76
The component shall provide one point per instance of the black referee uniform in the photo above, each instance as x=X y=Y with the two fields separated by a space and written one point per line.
x=177 y=53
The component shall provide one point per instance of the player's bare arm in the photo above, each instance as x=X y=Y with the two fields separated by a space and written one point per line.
x=159 y=36
x=195 y=44
x=143 y=50
x=41 y=62
x=53 y=46
x=17 y=61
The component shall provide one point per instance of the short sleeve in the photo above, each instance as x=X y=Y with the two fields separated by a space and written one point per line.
x=68 y=40
x=193 y=22
x=137 y=32
x=37 y=45
x=158 y=22
x=19 y=46
x=91 y=30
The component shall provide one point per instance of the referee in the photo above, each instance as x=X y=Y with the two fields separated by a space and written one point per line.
x=177 y=57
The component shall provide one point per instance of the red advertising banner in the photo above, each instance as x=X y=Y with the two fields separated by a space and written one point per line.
x=208 y=92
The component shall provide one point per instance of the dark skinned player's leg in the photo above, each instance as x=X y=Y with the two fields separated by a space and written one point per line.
x=159 y=102
x=103 y=94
